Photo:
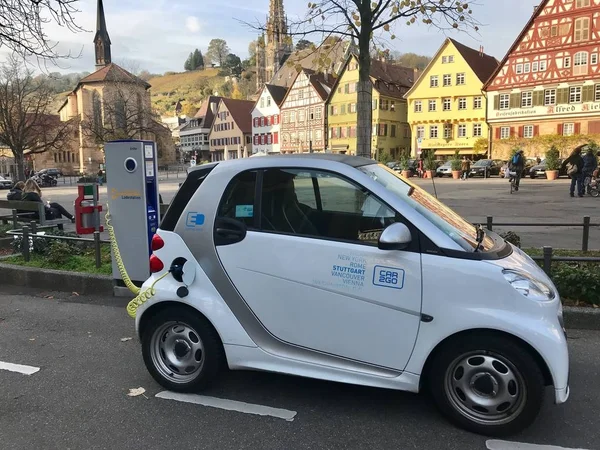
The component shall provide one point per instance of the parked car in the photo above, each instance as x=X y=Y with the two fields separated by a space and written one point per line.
x=52 y=172
x=5 y=183
x=539 y=170
x=367 y=286
x=444 y=170
x=485 y=168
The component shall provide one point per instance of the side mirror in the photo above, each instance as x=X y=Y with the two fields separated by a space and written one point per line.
x=395 y=237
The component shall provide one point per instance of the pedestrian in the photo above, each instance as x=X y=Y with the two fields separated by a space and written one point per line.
x=465 y=166
x=16 y=193
x=33 y=193
x=574 y=166
x=538 y=160
x=100 y=177
x=590 y=164
x=517 y=166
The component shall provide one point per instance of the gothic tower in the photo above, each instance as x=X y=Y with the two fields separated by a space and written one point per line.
x=274 y=46
x=101 y=40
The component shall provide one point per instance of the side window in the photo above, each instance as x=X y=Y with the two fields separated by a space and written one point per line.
x=239 y=200
x=322 y=205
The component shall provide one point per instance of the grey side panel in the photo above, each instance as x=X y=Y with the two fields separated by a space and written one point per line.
x=201 y=243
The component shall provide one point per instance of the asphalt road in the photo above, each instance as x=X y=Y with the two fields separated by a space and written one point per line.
x=538 y=201
x=78 y=398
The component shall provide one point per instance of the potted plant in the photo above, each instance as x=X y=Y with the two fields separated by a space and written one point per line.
x=455 y=164
x=404 y=162
x=429 y=164
x=552 y=163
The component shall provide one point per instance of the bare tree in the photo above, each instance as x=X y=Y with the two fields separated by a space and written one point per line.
x=367 y=20
x=27 y=122
x=22 y=25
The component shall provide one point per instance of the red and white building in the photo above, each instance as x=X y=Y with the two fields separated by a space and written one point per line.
x=549 y=81
x=266 y=120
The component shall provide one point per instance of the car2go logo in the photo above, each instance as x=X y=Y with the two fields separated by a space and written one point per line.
x=390 y=277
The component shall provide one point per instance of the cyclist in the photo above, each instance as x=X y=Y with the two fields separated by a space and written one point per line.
x=516 y=165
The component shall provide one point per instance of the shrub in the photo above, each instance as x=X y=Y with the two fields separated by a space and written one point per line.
x=40 y=246
x=512 y=237
x=455 y=163
x=577 y=281
x=58 y=252
x=552 y=158
x=384 y=157
x=429 y=162
x=404 y=161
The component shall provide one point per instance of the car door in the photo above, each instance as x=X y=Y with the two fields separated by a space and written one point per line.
x=309 y=268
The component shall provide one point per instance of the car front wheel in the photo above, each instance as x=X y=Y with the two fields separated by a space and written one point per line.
x=181 y=350
x=487 y=384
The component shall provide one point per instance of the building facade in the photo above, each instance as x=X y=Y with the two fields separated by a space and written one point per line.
x=266 y=120
x=231 y=132
x=194 y=140
x=547 y=88
x=391 y=132
x=303 y=114
x=274 y=46
x=446 y=107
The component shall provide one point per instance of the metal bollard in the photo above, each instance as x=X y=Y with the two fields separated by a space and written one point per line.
x=586 y=233
x=490 y=221
x=25 y=244
x=97 y=253
x=33 y=225
x=15 y=219
x=547 y=266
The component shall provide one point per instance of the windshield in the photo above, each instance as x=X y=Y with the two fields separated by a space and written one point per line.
x=453 y=225
x=481 y=162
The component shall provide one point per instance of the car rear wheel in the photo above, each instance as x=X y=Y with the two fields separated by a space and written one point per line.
x=182 y=351
x=487 y=384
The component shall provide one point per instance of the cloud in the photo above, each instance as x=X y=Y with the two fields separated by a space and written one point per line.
x=192 y=24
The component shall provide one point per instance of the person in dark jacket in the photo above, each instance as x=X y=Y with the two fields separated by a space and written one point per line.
x=33 y=193
x=574 y=165
x=517 y=165
x=16 y=193
x=590 y=164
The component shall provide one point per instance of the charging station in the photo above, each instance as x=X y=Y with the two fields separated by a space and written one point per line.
x=133 y=203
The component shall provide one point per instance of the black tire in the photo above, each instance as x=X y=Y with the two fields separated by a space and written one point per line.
x=532 y=176
x=212 y=352
x=508 y=352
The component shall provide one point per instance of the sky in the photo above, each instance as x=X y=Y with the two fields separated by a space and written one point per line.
x=157 y=35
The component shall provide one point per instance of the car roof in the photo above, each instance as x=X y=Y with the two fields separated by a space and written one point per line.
x=353 y=161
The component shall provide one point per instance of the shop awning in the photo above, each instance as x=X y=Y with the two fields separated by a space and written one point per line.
x=452 y=152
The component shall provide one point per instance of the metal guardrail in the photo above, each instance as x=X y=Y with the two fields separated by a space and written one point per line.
x=27 y=233
x=586 y=225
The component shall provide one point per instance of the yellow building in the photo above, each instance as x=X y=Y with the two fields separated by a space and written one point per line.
x=446 y=107
x=391 y=132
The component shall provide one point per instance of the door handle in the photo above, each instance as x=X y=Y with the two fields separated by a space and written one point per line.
x=229 y=231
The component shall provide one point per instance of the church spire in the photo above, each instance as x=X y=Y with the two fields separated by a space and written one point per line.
x=101 y=40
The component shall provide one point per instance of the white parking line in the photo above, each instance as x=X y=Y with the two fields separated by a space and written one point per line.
x=230 y=405
x=506 y=445
x=25 y=370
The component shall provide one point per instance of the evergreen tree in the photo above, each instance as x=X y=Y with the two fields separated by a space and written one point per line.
x=188 y=62
x=198 y=60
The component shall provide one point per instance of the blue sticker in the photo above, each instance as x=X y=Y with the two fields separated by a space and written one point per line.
x=390 y=277
x=194 y=220
x=244 y=211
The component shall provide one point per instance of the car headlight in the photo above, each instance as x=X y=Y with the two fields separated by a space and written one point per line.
x=529 y=286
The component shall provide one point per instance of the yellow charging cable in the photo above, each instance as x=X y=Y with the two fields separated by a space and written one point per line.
x=141 y=297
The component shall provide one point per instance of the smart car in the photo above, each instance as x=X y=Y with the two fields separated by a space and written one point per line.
x=332 y=267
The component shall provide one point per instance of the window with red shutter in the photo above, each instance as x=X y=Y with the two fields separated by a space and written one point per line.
x=559 y=129
x=269 y=139
x=577 y=128
x=262 y=139
x=521 y=133
x=512 y=131
x=255 y=139
x=498 y=133
x=262 y=121
x=276 y=137
x=536 y=130
x=276 y=117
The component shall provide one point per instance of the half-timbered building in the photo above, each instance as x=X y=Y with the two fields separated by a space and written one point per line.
x=549 y=81
x=303 y=113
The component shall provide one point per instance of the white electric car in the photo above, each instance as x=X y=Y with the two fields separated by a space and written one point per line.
x=333 y=267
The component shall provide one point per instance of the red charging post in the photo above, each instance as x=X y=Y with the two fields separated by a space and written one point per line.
x=87 y=209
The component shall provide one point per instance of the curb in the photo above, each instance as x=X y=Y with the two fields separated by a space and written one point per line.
x=577 y=318
x=56 y=280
